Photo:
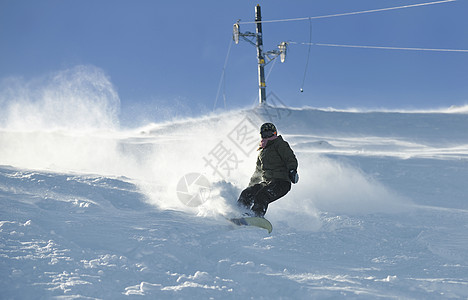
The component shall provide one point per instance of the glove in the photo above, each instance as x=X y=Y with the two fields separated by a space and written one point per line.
x=293 y=176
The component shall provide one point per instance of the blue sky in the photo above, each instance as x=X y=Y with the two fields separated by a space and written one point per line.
x=171 y=54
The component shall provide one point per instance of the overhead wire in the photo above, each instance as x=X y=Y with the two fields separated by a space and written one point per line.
x=382 y=47
x=350 y=13
x=222 y=78
x=308 y=55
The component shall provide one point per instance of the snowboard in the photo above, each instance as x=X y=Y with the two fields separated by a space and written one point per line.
x=253 y=221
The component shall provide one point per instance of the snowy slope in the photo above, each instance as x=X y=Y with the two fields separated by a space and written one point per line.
x=380 y=210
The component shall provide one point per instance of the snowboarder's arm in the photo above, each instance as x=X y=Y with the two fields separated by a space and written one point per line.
x=287 y=155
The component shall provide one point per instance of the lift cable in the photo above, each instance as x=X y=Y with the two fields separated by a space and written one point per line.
x=351 y=13
x=381 y=47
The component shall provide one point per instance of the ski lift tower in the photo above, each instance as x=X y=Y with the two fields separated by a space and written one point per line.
x=261 y=56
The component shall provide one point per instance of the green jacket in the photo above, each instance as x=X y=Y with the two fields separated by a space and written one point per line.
x=274 y=162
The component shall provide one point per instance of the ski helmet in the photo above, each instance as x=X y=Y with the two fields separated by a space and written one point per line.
x=268 y=129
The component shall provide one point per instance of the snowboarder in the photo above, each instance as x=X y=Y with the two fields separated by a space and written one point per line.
x=276 y=169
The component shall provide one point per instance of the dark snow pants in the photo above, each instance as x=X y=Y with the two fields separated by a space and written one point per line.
x=258 y=196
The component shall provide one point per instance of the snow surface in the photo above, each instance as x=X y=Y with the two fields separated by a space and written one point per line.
x=95 y=212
